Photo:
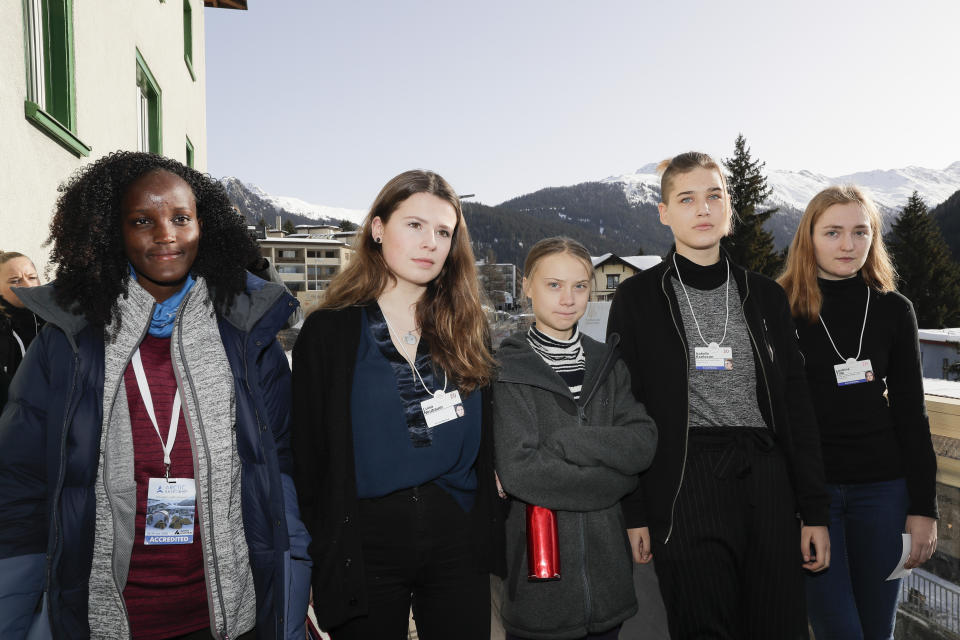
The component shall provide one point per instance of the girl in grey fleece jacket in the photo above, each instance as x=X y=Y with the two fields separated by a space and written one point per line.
x=569 y=436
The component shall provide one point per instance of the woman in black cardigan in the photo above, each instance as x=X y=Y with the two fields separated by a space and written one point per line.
x=391 y=434
x=859 y=339
x=712 y=356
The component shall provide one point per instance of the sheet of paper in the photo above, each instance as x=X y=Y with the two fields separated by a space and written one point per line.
x=899 y=571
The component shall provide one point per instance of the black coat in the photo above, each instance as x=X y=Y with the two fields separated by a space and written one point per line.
x=322 y=443
x=653 y=344
x=27 y=325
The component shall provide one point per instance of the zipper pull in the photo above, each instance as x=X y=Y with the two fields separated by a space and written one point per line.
x=582 y=412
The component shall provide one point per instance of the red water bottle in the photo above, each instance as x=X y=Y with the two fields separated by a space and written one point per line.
x=543 y=548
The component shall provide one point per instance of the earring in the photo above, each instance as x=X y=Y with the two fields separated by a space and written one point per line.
x=378 y=240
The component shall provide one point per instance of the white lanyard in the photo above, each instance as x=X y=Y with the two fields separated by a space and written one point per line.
x=412 y=363
x=23 y=350
x=727 y=302
x=830 y=338
x=148 y=403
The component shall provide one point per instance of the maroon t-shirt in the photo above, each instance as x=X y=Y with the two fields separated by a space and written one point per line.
x=166 y=594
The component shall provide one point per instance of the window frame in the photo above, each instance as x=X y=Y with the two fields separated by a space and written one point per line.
x=188 y=38
x=57 y=115
x=155 y=109
x=191 y=154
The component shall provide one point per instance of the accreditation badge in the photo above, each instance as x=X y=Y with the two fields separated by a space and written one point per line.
x=442 y=407
x=171 y=511
x=853 y=372
x=713 y=358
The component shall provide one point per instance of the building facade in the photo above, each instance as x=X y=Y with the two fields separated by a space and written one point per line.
x=82 y=78
x=610 y=270
x=306 y=265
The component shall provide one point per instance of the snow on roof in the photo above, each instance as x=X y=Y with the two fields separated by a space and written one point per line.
x=303 y=240
x=939 y=335
x=943 y=388
x=642 y=262
x=637 y=262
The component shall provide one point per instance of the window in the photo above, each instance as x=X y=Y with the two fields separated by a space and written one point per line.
x=290 y=269
x=189 y=155
x=613 y=280
x=51 y=104
x=295 y=285
x=287 y=254
x=329 y=254
x=188 y=38
x=149 y=109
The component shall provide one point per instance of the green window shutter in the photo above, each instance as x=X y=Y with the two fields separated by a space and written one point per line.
x=51 y=94
x=150 y=110
x=189 y=153
x=188 y=38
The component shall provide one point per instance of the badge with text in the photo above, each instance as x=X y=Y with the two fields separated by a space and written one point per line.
x=442 y=407
x=171 y=510
x=853 y=372
x=713 y=358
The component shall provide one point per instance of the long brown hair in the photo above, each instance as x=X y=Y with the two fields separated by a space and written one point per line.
x=799 y=277
x=449 y=314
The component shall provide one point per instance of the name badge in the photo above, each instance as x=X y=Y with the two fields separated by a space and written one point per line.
x=171 y=510
x=853 y=372
x=713 y=358
x=442 y=407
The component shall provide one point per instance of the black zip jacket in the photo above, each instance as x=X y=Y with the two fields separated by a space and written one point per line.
x=646 y=314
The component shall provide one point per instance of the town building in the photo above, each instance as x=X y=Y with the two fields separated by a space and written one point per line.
x=610 y=270
x=306 y=265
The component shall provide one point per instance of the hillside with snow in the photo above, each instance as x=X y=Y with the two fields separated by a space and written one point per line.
x=890 y=188
x=307 y=209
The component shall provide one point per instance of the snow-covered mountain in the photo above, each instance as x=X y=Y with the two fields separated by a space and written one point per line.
x=310 y=210
x=890 y=188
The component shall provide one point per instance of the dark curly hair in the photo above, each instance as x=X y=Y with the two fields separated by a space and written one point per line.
x=87 y=240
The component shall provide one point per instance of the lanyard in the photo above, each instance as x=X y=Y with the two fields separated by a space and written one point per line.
x=860 y=348
x=412 y=362
x=148 y=403
x=726 y=301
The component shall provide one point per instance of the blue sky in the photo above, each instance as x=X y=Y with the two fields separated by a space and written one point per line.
x=328 y=100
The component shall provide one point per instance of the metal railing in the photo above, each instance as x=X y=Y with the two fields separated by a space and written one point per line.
x=931 y=599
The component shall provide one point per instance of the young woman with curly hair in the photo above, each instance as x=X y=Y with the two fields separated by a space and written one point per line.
x=862 y=359
x=391 y=433
x=145 y=483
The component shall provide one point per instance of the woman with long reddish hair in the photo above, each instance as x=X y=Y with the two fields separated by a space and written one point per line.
x=859 y=338
x=393 y=449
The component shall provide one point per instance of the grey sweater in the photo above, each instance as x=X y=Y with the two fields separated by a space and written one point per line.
x=578 y=459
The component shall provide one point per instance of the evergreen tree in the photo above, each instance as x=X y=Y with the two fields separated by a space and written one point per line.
x=288 y=227
x=346 y=225
x=928 y=275
x=750 y=245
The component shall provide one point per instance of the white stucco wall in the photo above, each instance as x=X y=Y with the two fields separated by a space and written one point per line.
x=106 y=35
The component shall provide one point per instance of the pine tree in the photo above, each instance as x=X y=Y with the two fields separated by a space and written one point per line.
x=288 y=227
x=750 y=245
x=928 y=275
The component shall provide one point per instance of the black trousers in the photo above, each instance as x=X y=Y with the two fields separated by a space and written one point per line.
x=417 y=550
x=731 y=568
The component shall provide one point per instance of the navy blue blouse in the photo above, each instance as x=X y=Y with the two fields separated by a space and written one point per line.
x=393 y=447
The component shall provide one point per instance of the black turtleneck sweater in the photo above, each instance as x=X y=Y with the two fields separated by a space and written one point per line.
x=26 y=325
x=865 y=438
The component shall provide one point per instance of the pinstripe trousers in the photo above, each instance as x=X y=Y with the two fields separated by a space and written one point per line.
x=731 y=568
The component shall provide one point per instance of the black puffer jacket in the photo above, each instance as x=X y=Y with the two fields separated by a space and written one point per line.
x=646 y=314
x=15 y=322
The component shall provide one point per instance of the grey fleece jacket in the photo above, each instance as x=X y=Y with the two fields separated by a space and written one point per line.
x=578 y=459
x=205 y=380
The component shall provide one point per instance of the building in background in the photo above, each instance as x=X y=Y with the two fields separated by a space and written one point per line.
x=306 y=264
x=499 y=283
x=82 y=78
x=940 y=353
x=610 y=270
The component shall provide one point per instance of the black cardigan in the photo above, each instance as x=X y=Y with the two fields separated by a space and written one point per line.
x=646 y=314
x=322 y=444
x=867 y=436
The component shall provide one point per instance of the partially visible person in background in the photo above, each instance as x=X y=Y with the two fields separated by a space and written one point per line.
x=18 y=325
